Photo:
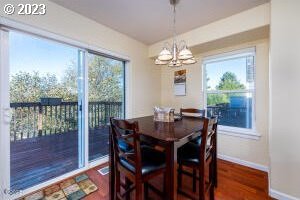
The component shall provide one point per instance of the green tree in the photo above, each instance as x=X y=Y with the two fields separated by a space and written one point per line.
x=105 y=83
x=70 y=83
x=213 y=99
x=30 y=87
x=105 y=79
x=228 y=81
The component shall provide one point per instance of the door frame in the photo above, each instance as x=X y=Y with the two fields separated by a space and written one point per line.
x=4 y=116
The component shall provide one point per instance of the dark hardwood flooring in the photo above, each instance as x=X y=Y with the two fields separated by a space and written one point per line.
x=236 y=182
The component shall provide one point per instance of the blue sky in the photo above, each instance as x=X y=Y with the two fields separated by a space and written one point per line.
x=215 y=70
x=30 y=54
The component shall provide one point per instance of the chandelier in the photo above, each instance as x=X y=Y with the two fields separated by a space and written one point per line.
x=175 y=55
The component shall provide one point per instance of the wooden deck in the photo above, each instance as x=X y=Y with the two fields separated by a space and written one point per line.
x=39 y=159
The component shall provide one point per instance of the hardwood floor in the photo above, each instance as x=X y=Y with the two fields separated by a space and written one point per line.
x=236 y=182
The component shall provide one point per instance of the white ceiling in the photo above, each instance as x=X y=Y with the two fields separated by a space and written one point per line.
x=150 y=21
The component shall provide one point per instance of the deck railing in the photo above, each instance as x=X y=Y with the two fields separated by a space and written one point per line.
x=232 y=116
x=34 y=119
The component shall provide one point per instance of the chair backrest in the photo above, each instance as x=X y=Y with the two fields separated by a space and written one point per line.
x=192 y=112
x=126 y=142
x=208 y=138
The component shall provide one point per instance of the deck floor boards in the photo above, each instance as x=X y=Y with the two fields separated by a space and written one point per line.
x=39 y=159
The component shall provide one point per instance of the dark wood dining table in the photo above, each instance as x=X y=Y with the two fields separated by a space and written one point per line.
x=170 y=136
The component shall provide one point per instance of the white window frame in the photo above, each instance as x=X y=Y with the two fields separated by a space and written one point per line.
x=229 y=130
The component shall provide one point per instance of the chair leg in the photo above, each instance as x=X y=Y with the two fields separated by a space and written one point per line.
x=118 y=185
x=212 y=193
x=201 y=187
x=165 y=187
x=212 y=179
x=180 y=176
x=215 y=170
x=146 y=189
x=201 y=192
x=127 y=186
x=139 y=190
x=194 y=180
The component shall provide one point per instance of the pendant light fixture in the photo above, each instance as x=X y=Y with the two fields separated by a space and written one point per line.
x=177 y=54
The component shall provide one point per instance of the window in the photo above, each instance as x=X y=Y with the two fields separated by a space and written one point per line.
x=106 y=99
x=229 y=85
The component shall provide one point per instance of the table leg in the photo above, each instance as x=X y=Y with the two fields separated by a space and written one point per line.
x=172 y=172
x=111 y=170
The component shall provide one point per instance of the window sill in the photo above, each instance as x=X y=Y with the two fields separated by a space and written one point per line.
x=239 y=132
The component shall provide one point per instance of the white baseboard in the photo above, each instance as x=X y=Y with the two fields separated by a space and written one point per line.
x=281 y=196
x=244 y=163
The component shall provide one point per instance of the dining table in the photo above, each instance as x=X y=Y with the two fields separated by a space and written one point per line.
x=168 y=135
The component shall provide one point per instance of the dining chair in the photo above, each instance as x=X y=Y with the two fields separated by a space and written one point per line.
x=193 y=112
x=200 y=158
x=138 y=163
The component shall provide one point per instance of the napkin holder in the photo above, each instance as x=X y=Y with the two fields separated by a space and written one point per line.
x=163 y=114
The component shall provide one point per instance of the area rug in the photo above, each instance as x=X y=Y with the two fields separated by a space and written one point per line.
x=71 y=189
x=103 y=171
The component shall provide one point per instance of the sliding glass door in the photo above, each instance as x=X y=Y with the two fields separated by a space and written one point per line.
x=106 y=99
x=56 y=102
x=45 y=90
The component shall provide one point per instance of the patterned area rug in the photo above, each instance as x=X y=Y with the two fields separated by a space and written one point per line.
x=70 y=189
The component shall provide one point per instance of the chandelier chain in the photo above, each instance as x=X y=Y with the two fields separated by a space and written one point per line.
x=174 y=22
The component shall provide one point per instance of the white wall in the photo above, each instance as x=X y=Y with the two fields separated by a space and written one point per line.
x=255 y=151
x=285 y=98
x=143 y=75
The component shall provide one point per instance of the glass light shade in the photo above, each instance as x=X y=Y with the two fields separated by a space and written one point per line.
x=189 y=61
x=185 y=54
x=165 y=55
x=160 y=62
x=175 y=63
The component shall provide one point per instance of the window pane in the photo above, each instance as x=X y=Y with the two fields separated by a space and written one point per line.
x=44 y=100
x=228 y=82
x=231 y=74
x=232 y=109
x=106 y=99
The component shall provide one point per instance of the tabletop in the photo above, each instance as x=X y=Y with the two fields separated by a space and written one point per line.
x=168 y=131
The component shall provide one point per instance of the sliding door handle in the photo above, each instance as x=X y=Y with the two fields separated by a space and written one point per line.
x=6 y=115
